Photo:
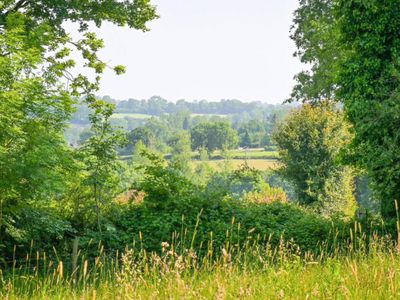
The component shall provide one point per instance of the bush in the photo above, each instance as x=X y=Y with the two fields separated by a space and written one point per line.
x=179 y=211
x=222 y=221
x=267 y=195
x=30 y=229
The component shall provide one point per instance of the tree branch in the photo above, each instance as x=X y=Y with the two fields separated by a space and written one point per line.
x=17 y=6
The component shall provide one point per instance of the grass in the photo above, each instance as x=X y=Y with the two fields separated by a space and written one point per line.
x=258 y=164
x=252 y=271
x=257 y=158
x=248 y=154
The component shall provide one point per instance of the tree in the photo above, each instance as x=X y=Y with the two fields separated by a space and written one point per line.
x=100 y=157
x=369 y=86
x=186 y=123
x=38 y=92
x=352 y=48
x=138 y=158
x=246 y=140
x=212 y=136
x=309 y=142
x=143 y=134
x=181 y=150
x=315 y=32
x=180 y=143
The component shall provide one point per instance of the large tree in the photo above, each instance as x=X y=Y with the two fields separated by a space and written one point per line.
x=353 y=49
x=369 y=82
x=38 y=90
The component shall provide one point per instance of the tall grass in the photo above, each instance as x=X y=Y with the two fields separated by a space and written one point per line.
x=365 y=267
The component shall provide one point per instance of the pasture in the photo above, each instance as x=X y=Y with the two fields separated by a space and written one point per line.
x=259 y=164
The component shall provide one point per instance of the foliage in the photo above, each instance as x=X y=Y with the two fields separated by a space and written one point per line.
x=256 y=133
x=157 y=106
x=180 y=145
x=369 y=84
x=181 y=150
x=173 y=202
x=316 y=34
x=33 y=228
x=38 y=92
x=254 y=128
x=352 y=47
x=235 y=183
x=164 y=183
x=143 y=134
x=267 y=194
x=99 y=156
x=310 y=141
x=34 y=159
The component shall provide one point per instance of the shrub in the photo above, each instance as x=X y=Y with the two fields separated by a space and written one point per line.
x=187 y=214
x=222 y=222
x=267 y=195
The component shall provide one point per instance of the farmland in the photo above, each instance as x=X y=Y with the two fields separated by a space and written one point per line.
x=254 y=158
x=259 y=164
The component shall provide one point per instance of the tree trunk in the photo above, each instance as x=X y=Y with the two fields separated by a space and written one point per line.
x=75 y=258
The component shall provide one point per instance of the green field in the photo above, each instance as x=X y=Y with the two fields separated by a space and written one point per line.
x=133 y=116
x=255 y=158
x=259 y=164
x=248 y=154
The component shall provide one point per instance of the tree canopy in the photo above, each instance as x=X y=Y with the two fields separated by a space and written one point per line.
x=213 y=136
x=38 y=90
x=352 y=47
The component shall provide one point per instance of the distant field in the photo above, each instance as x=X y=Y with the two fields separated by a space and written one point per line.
x=248 y=154
x=258 y=153
x=133 y=116
x=209 y=115
x=259 y=164
x=257 y=158
x=146 y=116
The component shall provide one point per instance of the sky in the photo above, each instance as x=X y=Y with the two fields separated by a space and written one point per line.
x=205 y=49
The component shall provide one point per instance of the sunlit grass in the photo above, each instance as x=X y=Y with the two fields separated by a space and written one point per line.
x=259 y=164
x=255 y=269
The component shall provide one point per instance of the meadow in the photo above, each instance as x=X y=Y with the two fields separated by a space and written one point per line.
x=255 y=158
x=259 y=164
x=360 y=270
x=255 y=153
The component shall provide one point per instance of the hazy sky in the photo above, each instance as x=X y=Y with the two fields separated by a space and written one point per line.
x=206 y=49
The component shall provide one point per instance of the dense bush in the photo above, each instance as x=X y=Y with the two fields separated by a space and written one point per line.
x=179 y=211
x=222 y=221
x=32 y=229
